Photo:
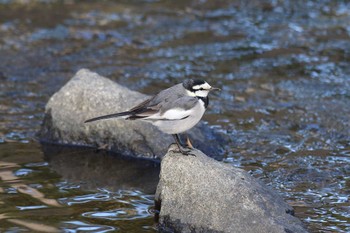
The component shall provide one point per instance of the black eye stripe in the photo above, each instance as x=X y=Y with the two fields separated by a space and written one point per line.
x=200 y=89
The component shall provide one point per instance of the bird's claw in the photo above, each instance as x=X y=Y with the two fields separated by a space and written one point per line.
x=183 y=151
x=186 y=152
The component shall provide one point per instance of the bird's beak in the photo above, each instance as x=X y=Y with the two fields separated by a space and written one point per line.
x=214 y=89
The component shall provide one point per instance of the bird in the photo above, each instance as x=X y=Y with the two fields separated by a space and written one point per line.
x=173 y=110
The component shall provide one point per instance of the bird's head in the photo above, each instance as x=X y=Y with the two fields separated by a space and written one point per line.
x=198 y=87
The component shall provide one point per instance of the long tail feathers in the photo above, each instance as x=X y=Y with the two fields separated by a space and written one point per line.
x=114 y=115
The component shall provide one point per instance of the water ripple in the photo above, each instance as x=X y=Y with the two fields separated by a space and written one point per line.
x=78 y=226
x=86 y=198
x=135 y=204
x=34 y=207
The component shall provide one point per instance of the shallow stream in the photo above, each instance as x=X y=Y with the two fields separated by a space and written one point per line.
x=284 y=70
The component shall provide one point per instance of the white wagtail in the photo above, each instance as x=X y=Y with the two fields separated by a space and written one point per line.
x=173 y=110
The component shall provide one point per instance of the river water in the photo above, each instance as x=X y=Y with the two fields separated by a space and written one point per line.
x=284 y=71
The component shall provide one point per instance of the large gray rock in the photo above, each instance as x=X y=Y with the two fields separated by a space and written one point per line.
x=89 y=95
x=199 y=194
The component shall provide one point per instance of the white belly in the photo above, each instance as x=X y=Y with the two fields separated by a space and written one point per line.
x=174 y=126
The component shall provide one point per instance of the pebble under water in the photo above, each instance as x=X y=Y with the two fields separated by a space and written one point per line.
x=283 y=67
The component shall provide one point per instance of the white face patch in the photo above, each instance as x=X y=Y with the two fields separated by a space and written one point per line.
x=201 y=93
x=190 y=93
x=204 y=86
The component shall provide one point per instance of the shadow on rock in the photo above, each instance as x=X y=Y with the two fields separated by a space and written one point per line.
x=101 y=169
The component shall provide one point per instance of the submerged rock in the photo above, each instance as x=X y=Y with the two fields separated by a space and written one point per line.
x=88 y=95
x=199 y=194
x=102 y=169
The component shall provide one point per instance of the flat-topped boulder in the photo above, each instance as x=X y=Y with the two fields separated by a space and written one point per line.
x=199 y=194
x=88 y=95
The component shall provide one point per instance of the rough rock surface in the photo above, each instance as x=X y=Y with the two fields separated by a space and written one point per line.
x=199 y=194
x=89 y=95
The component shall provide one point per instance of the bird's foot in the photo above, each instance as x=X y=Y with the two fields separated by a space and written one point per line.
x=181 y=150
x=185 y=151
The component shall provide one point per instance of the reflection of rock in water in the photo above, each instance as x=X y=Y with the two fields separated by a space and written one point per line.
x=102 y=169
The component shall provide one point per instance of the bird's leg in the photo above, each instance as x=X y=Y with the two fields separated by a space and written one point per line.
x=181 y=149
x=188 y=142
x=178 y=142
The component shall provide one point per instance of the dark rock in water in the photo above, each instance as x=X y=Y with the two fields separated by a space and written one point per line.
x=93 y=170
x=89 y=95
x=199 y=194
